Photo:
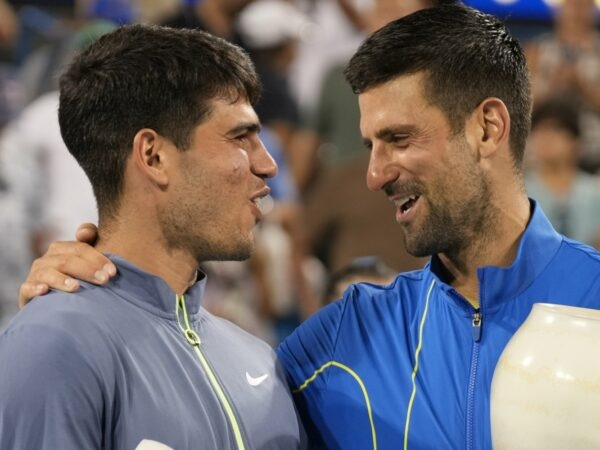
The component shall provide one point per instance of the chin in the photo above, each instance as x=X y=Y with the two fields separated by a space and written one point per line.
x=420 y=248
x=243 y=250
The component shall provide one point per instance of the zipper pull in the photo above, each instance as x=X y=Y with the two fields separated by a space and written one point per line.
x=190 y=335
x=477 y=319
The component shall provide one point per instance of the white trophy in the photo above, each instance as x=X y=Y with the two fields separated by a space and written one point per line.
x=546 y=386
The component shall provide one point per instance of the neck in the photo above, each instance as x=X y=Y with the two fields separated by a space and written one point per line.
x=145 y=249
x=497 y=247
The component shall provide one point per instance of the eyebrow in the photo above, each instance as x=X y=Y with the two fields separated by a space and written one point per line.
x=253 y=127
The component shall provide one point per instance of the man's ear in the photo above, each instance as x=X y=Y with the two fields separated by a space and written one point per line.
x=149 y=156
x=491 y=123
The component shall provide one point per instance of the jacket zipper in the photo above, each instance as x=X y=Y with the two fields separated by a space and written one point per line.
x=194 y=340
x=476 y=322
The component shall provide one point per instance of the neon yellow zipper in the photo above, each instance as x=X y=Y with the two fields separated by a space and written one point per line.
x=194 y=340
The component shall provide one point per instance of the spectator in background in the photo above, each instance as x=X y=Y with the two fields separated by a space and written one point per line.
x=336 y=117
x=369 y=269
x=118 y=11
x=271 y=30
x=127 y=11
x=19 y=215
x=567 y=62
x=9 y=89
x=14 y=253
x=65 y=197
x=44 y=47
x=9 y=25
x=342 y=226
x=343 y=220
x=214 y=16
x=569 y=196
x=46 y=193
x=47 y=43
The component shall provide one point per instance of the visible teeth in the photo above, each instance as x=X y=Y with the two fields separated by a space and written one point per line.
x=403 y=206
x=407 y=199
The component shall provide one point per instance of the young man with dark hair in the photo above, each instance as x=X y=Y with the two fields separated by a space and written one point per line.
x=161 y=120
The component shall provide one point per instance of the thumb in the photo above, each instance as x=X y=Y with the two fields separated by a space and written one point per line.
x=87 y=232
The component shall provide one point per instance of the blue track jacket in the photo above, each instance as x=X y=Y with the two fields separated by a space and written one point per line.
x=410 y=365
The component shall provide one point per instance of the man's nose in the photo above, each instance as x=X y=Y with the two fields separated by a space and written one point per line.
x=382 y=168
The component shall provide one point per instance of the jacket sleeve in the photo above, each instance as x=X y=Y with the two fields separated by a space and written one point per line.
x=311 y=346
x=308 y=355
x=50 y=397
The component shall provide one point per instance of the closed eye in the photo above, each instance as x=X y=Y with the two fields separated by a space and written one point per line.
x=242 y=137
x=400 y=140
x=399 y=137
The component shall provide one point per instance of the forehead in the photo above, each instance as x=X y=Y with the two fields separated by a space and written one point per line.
x=400 y=101
x=226 y=112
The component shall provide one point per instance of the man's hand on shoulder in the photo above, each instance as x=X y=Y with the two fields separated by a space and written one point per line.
x=65 y=263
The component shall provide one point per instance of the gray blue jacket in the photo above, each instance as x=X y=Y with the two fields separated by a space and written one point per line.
x=113 y=368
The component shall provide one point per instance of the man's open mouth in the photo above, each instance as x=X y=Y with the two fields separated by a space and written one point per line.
x=408 y=203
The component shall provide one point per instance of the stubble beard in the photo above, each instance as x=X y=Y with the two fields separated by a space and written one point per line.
x=452 y=227
x=185 y=237
x=199 y=227
x=192 y=229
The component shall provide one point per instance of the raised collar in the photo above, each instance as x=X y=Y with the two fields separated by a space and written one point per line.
x=537 y=247
x=151 y=293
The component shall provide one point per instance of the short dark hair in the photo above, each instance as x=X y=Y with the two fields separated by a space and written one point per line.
x=144 y=76
x=560 y=111
x=467 y=57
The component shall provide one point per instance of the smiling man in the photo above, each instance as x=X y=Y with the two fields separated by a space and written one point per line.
x=162 y=123
x=445 y=110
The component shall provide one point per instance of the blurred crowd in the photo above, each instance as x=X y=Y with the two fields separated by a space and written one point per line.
x=323 y=228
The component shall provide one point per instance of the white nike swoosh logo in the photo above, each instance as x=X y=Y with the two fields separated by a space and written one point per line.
x=255 y=381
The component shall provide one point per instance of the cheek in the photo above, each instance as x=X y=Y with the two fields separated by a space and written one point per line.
x=236 y=168
x=429 y=166
x=232 y=183
x=235 y=174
